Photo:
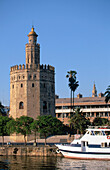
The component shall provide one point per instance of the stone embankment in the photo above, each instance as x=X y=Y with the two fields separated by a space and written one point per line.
x=29 y=151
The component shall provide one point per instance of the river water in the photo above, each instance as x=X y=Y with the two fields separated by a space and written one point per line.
x=50 y=163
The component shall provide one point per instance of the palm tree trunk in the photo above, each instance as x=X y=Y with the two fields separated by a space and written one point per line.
x=77 y=131
x=35 y=137
x=45 y=140
x=24 y=140
x=73 y=100
x=2 y=140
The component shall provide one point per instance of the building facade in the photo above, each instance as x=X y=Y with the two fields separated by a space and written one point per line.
x=91 y=107
x=32 y=86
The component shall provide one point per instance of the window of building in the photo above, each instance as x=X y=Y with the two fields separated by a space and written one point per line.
x=21 y=85
x=106 y=114
x=34 y=76
x=92 y=114
x=13 y=86
x=52 y=86
x=32 y=84
x=97 y=114
x=59 y=115
x=21 y=105
x=44 y=106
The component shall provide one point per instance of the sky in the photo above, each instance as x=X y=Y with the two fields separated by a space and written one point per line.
x=73 y=35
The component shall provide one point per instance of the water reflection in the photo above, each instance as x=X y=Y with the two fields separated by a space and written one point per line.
x=50 y=163
x=22 y=162
x=70 y=164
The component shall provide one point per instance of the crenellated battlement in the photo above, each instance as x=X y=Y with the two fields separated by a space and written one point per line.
x=17 y=67
x=22 y=67
x=47 y=67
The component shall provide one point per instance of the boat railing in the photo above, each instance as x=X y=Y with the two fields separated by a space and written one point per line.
x=98 y=127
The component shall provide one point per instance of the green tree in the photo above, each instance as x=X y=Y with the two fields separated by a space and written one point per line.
x=107 y=94
x=98 y=121
x=79 y=122
x=73 y=84
x=23 y=126
x=11 y=126
x=34 y=127
x=2 y=110
x=49 y=125
x=3 y=127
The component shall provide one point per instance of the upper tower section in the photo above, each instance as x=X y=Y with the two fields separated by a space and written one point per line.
x=32 y=50
x=94 y=91
x=32 y=36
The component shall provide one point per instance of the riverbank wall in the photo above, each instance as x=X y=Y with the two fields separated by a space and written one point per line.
x=29 y=151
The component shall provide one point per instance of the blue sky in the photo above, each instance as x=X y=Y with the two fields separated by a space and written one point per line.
x=73 y=35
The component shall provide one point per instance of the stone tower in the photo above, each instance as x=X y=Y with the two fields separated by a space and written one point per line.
x=32 y=86
x=94 y=91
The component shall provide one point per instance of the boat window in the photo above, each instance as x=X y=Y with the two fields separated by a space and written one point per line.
x=83 y=143
x=103 y=133
x=102 y=145
x=92 y=132
x=106 y=144
x=109 y=144
x=97 y=132
x=87 y=143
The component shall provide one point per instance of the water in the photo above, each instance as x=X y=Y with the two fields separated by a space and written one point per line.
x=50 y=163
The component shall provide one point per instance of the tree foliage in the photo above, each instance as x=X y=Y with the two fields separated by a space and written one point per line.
x=3 y=126
x=23 y=126
x=34 y=128
x=49 y=125
x=73 y=83
x=2 y=110
x=98 y=121
x=107 y=94
x=79 y=122
x=11 y=126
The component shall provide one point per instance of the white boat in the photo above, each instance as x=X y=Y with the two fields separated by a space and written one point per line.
x=95 y=144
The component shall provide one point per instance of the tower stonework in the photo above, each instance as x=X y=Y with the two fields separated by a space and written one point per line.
x=32 y=86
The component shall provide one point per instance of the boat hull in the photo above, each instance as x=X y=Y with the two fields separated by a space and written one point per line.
x=86 y=156
x=71 y=152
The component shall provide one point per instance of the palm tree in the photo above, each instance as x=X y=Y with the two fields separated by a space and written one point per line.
x=73 y=84
x=79 y=122
x=107 y=94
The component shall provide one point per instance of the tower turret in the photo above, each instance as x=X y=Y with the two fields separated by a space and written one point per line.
x=94 y=91
x=32 y=50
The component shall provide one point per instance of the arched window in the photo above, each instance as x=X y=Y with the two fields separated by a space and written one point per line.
x=21 y=85
x=21 y=105
x=32 y=84
x=44 y=107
